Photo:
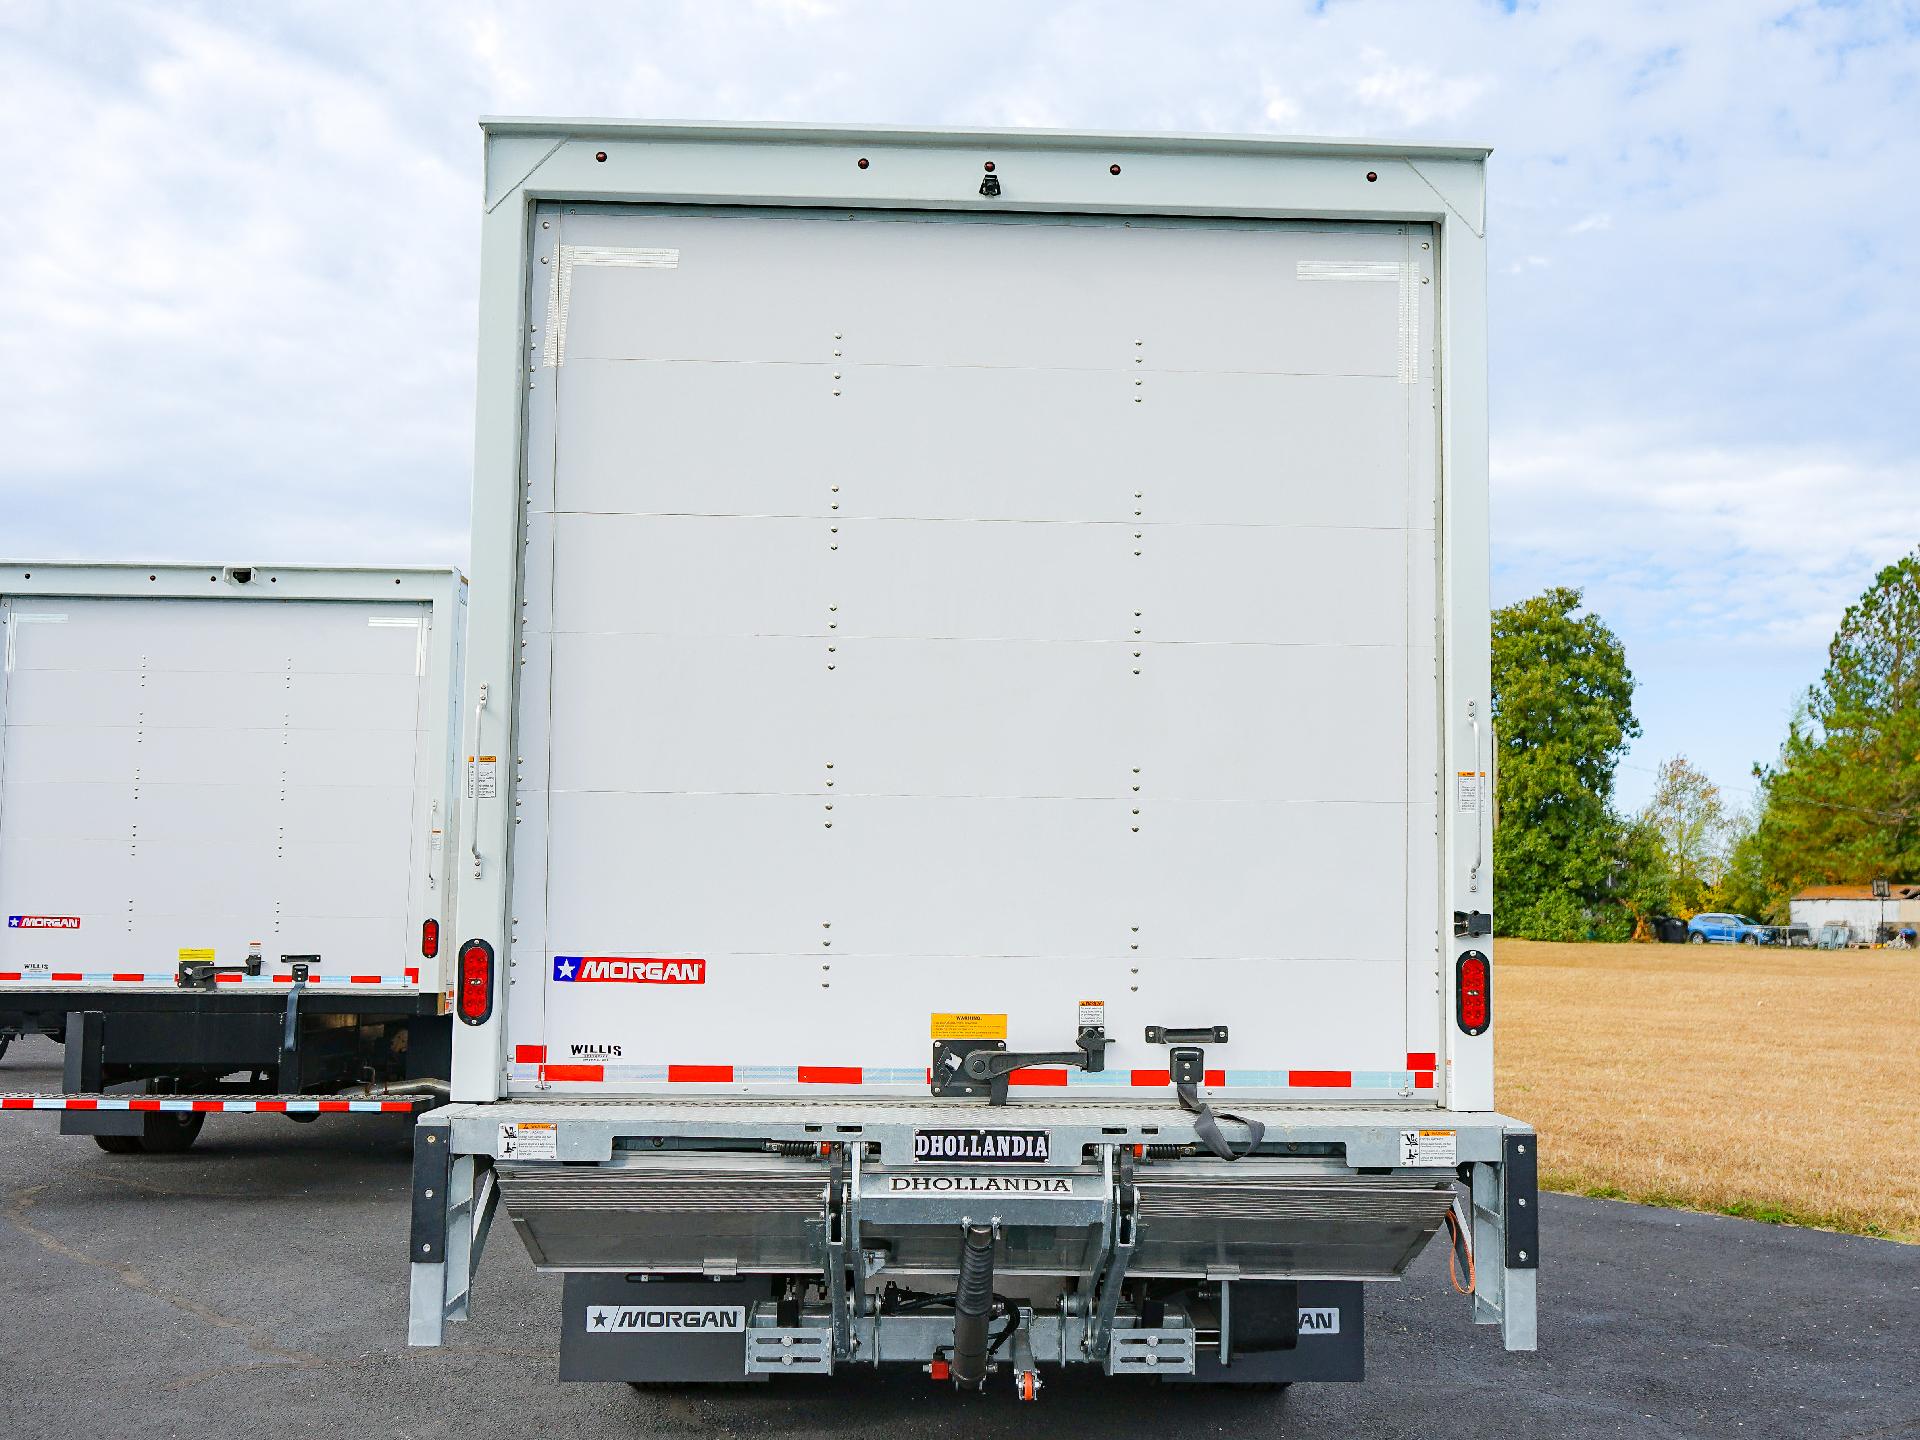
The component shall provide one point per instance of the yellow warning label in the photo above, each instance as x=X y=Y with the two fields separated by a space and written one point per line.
x=196 y=954
x=969 y=1027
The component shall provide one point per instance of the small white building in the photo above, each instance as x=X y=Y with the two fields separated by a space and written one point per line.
x=1856 y=905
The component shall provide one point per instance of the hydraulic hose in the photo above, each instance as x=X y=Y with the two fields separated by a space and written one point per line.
x=972 y=1305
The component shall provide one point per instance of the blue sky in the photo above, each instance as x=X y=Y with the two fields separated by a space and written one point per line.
x=237 y=320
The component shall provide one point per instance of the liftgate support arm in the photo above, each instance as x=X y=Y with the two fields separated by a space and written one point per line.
x=1506 y=1239
x=453 y=1200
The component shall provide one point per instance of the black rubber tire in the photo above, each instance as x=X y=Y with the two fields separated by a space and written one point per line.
x=1696 y=937
x=170 y=1134
x=118 y=1144
x=1749 y=939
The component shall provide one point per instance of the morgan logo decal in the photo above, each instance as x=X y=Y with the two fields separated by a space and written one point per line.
x=1031 y=1147
x=43 y=922
x=675 y=1319
x=621 y=969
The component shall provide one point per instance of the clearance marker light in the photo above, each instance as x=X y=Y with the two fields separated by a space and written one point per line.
x=429 y=938
x=475 y=1001
x=1473 y=992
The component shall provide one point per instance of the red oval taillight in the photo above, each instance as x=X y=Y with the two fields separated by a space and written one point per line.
x=429 y=938
x=1473 y=992
x=475 y=998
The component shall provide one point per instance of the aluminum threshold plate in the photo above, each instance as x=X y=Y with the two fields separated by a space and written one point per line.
x=590 y=1130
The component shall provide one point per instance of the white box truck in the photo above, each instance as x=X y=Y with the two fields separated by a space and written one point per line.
x=986 y=634
x=227 y=801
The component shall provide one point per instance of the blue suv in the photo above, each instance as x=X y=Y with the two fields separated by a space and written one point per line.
x=1727 y=929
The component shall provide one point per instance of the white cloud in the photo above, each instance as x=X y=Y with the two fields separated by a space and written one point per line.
x=238 y=314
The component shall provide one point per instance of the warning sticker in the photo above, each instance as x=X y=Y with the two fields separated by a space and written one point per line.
x=529 y=1140
x=1467 y=786
x=1427 y=1147
x=483 y=777
x=969 y=1027
x=1093 y=1012
x=186 y=955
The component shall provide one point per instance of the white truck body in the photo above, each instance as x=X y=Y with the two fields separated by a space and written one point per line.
x=971 y=588
x=202 y=764
x=187 y=764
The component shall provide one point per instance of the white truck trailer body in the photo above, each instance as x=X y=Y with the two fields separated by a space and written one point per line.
x=974 y=600
x=219 y=784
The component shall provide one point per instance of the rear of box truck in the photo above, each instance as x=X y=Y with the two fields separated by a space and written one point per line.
x=984 y=642
x=227 y=797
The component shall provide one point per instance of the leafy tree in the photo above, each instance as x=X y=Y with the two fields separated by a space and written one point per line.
x=1842 y=803
x=1695 y=833
x=1563 y=713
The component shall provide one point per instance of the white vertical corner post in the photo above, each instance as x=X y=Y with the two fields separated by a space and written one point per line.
x=529 y=162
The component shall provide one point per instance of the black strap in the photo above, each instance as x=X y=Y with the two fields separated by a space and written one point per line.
x=1207 y=1126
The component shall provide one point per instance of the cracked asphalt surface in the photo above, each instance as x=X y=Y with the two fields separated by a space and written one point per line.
x=256 y=1286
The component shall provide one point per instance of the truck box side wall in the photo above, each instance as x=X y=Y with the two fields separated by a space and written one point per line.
x=198 y=773
x=866 y=565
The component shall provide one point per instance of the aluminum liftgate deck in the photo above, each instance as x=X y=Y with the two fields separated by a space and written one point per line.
x=847 y=686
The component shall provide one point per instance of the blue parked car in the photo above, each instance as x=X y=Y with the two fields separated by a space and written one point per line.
x=1727 y=929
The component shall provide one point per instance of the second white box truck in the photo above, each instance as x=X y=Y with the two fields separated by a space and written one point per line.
x=227 y=803
x=988 y=870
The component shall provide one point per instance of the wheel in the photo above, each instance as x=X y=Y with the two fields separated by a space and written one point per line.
x=171 y=1133
x=1696 y=937
x=118 y=1144
x=1749 y=939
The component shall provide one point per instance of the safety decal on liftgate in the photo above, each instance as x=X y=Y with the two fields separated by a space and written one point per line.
x=1428 y=1147
x=628 y=969
x=43 y=922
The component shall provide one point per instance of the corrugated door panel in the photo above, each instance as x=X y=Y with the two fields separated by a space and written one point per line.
x=927 y=615
x=187 y=774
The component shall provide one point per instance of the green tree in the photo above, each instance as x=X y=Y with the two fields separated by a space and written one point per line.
x=1842 y=803
x=1563 y=712
x=1695 y=832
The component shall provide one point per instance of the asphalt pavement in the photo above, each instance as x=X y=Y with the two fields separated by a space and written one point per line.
x=256 y=1286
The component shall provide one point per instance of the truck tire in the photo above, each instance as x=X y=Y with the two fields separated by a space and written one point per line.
x=170 y=1134
x=118 y=1144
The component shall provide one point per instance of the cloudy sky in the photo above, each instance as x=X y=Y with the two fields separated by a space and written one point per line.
x=237 y=316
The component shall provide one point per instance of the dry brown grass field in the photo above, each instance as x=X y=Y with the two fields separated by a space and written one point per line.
x=1779 y=1084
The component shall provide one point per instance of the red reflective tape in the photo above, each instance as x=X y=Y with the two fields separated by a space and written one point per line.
x=209 y=1105
x=1422 y=1060
x=64 y=975
x=396 y=1105
x=118 y=977
x=700 y=1074
x=364 y=979
x=1152 y=1077
x=1216 y=1077
x=829 y=1074
x=335 y=1107
x=413 y=974
x=1321 y=1079
x=143 y=1104
x=15 y=1102
x=9 y=974
x=83 y=1105
x=1037 y=1077
x=272 y=1107
x=1423 y=1080
x=283 y=979
x=573 y=1072
x=227 y=979
x=529 y=1054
